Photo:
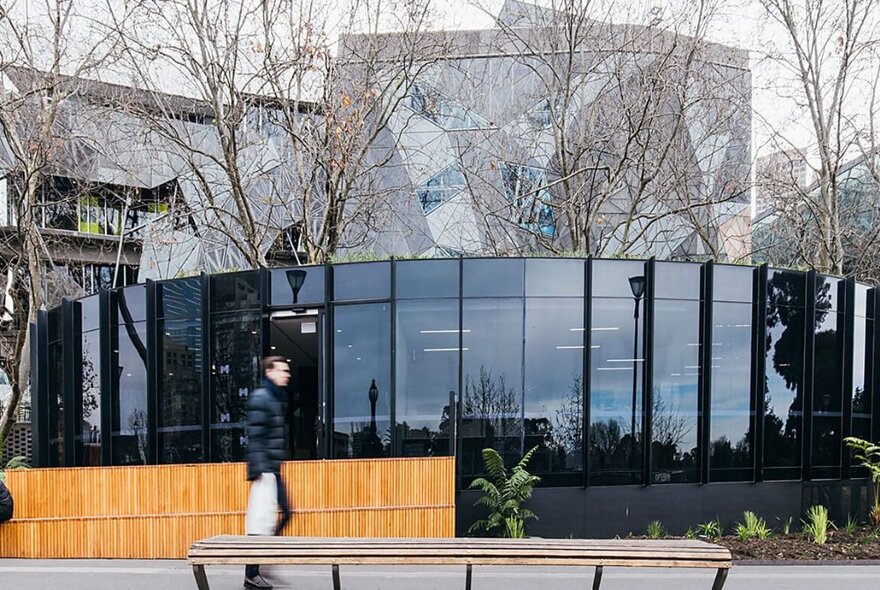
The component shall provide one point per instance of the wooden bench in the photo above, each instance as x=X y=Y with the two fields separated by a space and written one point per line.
x=241 y=550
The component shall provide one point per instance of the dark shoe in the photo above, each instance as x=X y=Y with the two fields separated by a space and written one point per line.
x=257 y=582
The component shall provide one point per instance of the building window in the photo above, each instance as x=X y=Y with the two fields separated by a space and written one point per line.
x=440 y=188
x=530 y=201
x=443 y=111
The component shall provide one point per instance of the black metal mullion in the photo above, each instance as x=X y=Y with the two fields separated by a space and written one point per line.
x=704 y=404
x=873 y=361
x=153 y=370
x=108 y=364
x=585 y=368
x=759 y=368
x=39 y=389
x=207 y=385
x=648 y=371
x=395 y=438
x=459 y=404
x=808 y=378
x=329 y=394
x=847 y=382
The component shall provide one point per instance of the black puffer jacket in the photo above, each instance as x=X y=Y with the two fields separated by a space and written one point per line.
x=267 y=446
x=5 y=503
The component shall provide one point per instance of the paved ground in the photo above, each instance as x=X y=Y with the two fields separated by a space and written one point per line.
x=177 y=575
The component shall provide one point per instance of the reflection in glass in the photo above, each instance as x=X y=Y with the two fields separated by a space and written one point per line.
x=554 y=393
x=129 y=398
x=179 y=298
x=554 y=278
x=362 y=380
x=616 y=413
x=88 y=431
x=56 y=404
x=362 y=280
x=428 y=279
x=863 y=345
x=491 y=413
x=783 y=401
x=131 y=304
x=311 y=286
x=234 y=291
x=733 y=283
x=677 y=280
x=493 y=277
x=180 y=397
x=235 y=373
x=611 y=277
x=90 y=309
x=730 y=428
x=674 y=410
x=427 y=375
x=827 y=385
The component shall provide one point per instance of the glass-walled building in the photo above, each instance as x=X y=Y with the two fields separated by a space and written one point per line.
x=620 y=372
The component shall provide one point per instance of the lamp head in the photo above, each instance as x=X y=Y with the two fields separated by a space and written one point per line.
x=374 y=392
x=637 y=286
x=296 y=278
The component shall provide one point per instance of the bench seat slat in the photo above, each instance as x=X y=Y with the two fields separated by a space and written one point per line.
x=586 y=561
x=512 y=551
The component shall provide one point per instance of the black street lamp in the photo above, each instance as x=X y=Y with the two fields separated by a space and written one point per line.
x=375 y=445
x=637 y=286
x=296 y=278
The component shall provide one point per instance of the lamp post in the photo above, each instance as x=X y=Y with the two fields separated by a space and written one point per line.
x=296 y=278
x=637 y=286
x=374 y=397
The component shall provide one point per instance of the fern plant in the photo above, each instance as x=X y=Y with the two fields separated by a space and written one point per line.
x=868 y=455
x=505 y=495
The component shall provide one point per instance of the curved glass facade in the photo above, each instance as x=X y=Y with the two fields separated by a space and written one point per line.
x=618 y=371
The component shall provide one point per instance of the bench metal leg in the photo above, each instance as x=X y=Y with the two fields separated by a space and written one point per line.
x=720 y=578
x=336 y=584
x=201 y=578
x=467 y=577
x=597 y=578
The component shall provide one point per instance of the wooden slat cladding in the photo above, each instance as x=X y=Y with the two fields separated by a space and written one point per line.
x=158 y=511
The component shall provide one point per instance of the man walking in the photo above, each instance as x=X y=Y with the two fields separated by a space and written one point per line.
x=266 y=451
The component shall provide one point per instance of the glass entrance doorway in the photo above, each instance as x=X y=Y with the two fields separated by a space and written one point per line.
x=297 y=336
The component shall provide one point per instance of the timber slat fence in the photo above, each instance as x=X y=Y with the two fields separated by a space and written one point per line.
x=157 y=511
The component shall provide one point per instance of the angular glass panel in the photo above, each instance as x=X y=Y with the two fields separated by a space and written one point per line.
x=445 y=112
x=827 y=392
x=611 y=277
x=235 y=373
x=131 y=305
x=363 y=280
x=302 y=285
x=88 y=431
x=362 y=380
x=234 y=291
x=529 y=198
x=90 y=309
x=491 y=414
x=675 y=414
x=430 y=279
x=783 y=404
x=554 y=389
x=440 y=188
x=180 y=357
x=616 y=409
x=179 y=298
x=493 y=277
x=554 y=278
x=733 y=283
x=129 y=397
x=427 y=375
x=677 y=280
x=731 y=414
x=829 y=294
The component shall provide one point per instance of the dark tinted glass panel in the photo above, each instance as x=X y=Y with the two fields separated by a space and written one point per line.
x=235 y=372
x=733 y=283
x=180 y=357
x=369 y=280
x=863 y=344
x=730 y=429
x=677 y=280
x=131 y=305
x=179 y=298
x=362 y=380
x=783 y=405
x=786 y=287
x=294 y=286
x=554 y=393
x=554 y=278
x=88 y=433
x=56 y=404
x=829 y=294
x=235 y=291
x=491 y=414
x=89 y=307
x=676 y=381
x=827 y=383
x=130 y=396
x=427 y=279
x=616 y=410
x=54 y=324
x=427 y=375
x=611 y=277
x=495 y=277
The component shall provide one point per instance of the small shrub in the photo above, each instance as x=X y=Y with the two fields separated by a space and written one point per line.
x=870 y=537
x=851 y=524
x=711 y=529
x=817 y=523
x=786 y=526
x=753 y=527
x=655 y=529
x=690 y=533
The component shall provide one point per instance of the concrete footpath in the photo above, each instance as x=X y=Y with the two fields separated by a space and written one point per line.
x=19 y=574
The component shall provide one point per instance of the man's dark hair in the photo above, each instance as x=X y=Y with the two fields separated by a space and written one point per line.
x=269 y=363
